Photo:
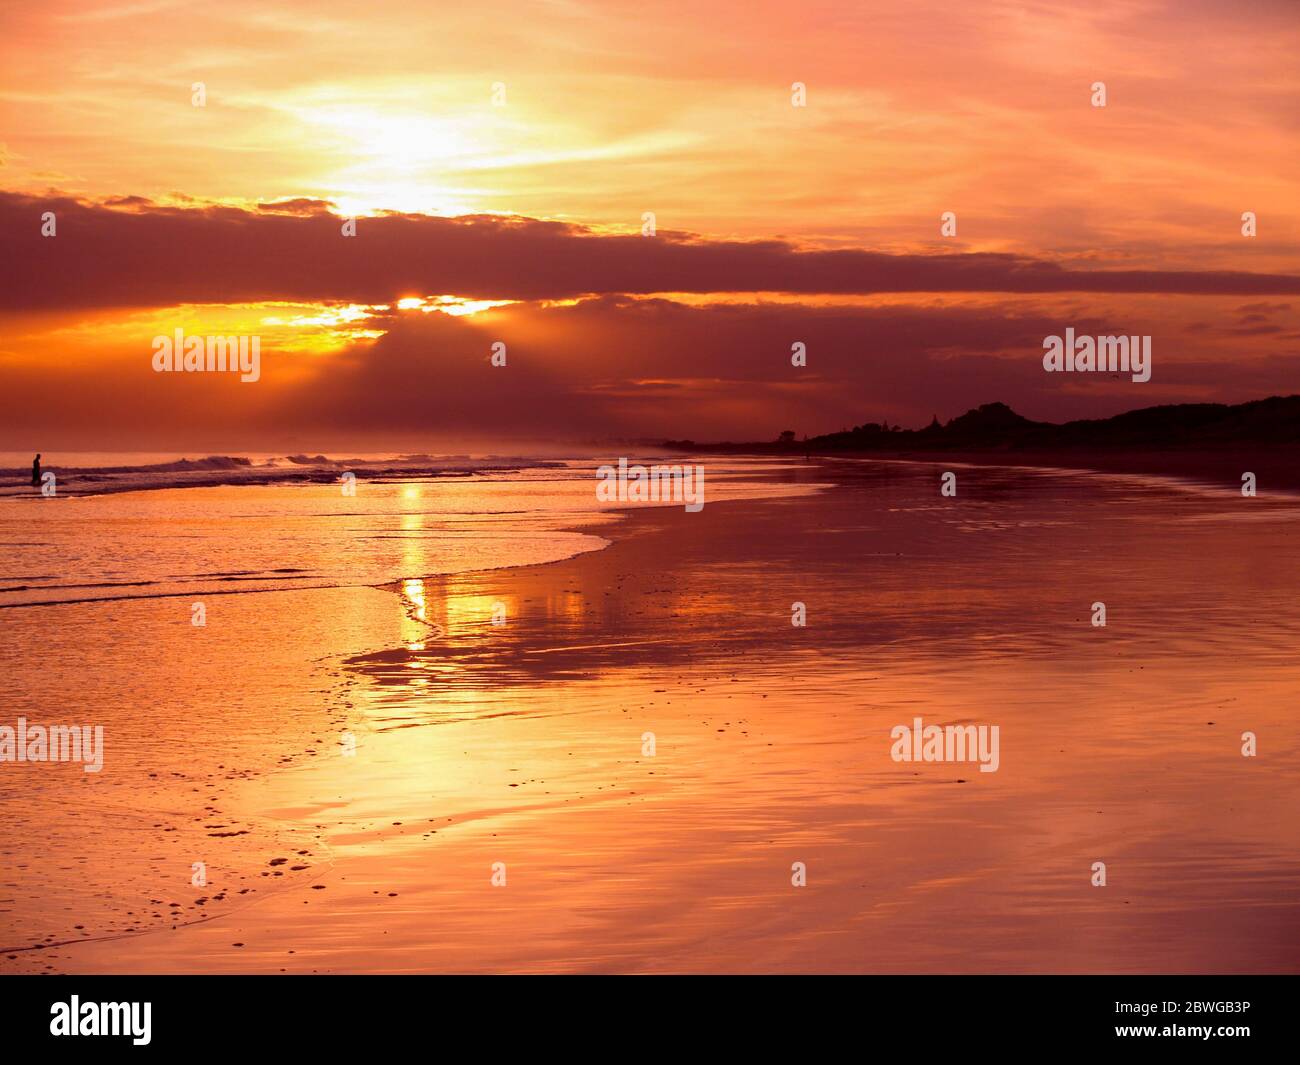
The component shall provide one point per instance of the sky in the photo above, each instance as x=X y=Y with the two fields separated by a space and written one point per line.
x=647 y=204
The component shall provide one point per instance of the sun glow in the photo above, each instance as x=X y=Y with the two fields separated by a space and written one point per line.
x=456 y=306
x=402 y=160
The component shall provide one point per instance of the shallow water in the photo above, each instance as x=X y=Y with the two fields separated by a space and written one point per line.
x=264 y=536
x=522 y=742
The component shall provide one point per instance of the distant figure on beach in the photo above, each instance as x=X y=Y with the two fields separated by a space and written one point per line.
x=36 y=472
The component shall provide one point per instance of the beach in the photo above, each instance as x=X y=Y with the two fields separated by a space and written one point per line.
x=1276 y=465
x=617 y=753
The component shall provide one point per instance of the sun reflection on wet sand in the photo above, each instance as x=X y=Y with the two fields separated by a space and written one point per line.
x=413 y=590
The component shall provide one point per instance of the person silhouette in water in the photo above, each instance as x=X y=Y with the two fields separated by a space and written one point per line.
x=36 y=472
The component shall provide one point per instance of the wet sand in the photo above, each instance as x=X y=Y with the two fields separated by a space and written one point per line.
x=524 y=743
x=1276 y=466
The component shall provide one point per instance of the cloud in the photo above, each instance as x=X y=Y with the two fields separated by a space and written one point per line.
x=610 y=367
x=105 y=256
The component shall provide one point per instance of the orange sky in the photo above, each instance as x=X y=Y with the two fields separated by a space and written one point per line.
x=612 y=110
